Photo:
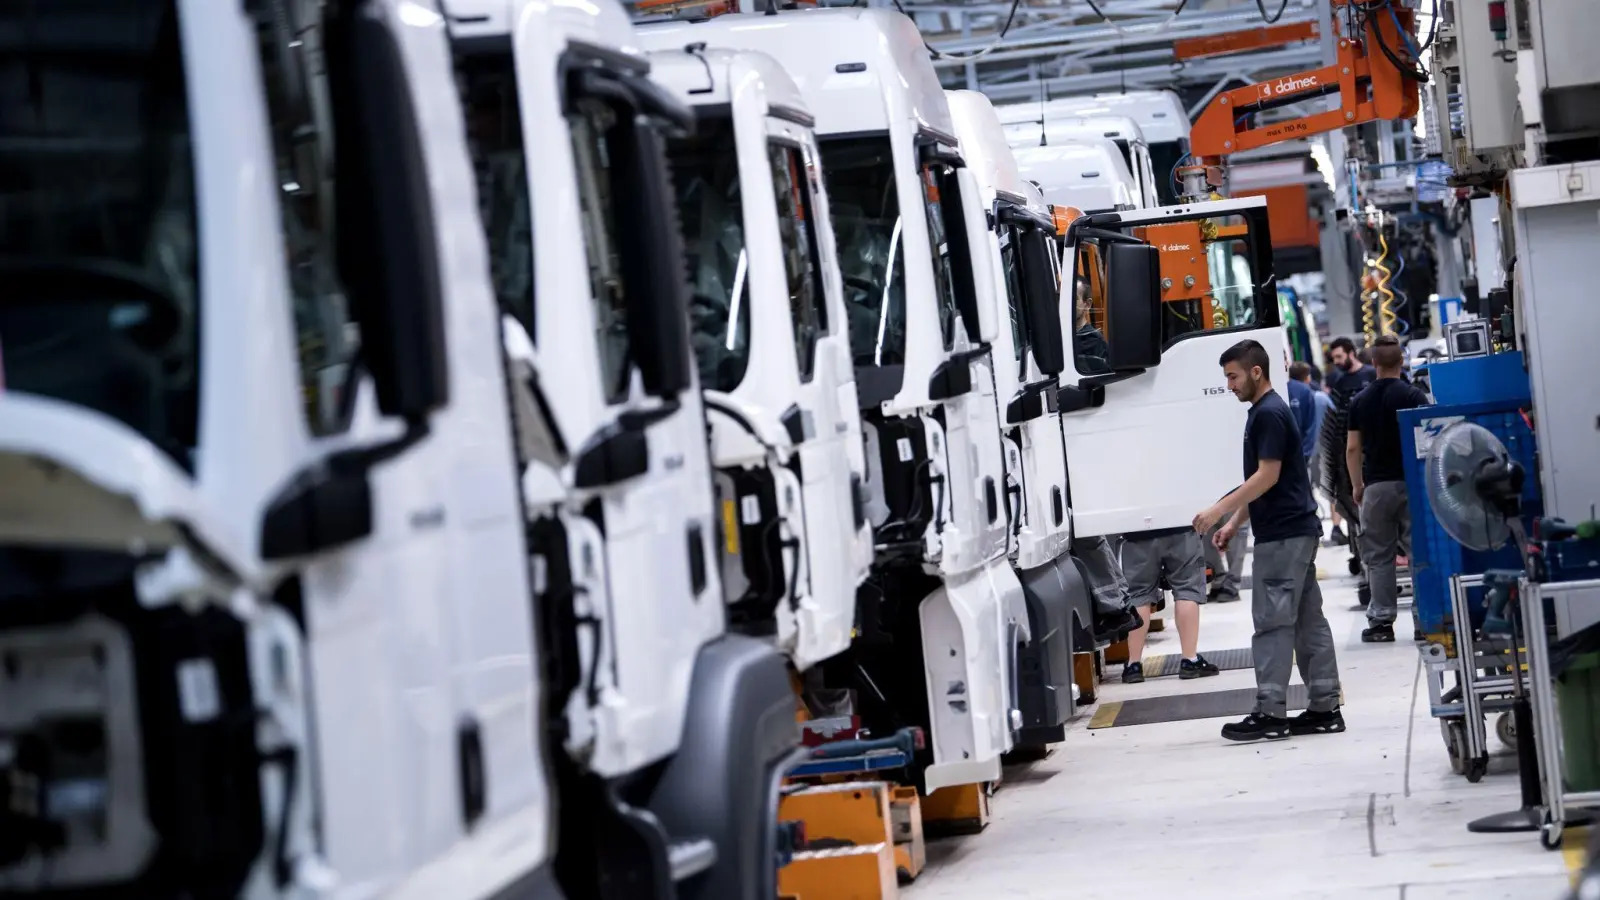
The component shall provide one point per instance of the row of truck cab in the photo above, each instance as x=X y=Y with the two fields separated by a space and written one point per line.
x=446 y=444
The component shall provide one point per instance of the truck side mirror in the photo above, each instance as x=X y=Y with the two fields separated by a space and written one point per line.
x=657 y=285
x=1133 y=306
x=1042 y=302
x=387 y=250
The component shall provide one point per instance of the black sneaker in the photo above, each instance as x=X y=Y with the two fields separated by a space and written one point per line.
x=1225 y=597
x=1310 y=722
x=1199 y=668
x=1336 y=537
x=1133 y=673
x=1378 y=634
x=1256 y=727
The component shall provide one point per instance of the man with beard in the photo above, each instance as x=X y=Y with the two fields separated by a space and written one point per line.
x=1286 y=602
x=1346 y=379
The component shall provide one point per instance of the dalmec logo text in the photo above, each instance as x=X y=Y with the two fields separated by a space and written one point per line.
x=1289 y=85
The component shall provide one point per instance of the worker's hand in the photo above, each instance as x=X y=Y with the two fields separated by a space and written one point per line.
x=1356 y=491
x=1208 y=519
x=1223 y=536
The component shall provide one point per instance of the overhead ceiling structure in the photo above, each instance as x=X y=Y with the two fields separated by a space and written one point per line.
x=1055 y=48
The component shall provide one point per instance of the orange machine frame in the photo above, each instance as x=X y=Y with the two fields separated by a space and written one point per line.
x=1240 y=41
x=1369 y=86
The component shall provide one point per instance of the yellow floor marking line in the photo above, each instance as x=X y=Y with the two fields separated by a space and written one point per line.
x=1106 y=715
x=1574 y=844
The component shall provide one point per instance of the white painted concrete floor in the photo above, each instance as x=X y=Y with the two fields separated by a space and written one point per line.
x=1173 y=810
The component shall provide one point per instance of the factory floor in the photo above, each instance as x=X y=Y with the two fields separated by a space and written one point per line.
x=1174 y=810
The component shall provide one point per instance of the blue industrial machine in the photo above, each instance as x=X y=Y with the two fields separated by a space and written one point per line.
x=1491 y=391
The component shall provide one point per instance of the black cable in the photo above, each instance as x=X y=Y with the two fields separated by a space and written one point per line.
x=1271 y=20
x=1433 y=30
x=1010 y=16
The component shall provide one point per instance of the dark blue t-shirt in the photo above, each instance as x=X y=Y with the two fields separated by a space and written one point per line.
x=1303 y=405
x=1286 y=510
x=1348 y=384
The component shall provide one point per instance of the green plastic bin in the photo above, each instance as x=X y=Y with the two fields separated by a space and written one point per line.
x=1578 y=695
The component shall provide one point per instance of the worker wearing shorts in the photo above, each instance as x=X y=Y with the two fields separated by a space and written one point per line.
x=1113 y=613
x=1175 y=554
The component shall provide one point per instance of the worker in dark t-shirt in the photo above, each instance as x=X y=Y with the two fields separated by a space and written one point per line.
x=1286 y=602
x=1378 y=481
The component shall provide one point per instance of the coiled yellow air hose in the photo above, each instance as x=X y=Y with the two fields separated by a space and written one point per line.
x=1386 y=314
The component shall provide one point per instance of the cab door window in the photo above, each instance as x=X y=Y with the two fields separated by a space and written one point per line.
x=802 y=268
x=939 y=246
x=705 y=174
x=596 y=128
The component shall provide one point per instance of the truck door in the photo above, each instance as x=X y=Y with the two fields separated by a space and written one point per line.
x=1147 y=449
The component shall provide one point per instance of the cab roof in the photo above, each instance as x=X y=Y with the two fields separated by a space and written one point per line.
x=602 y=23
x=1092 y=177
x=1159 y=114
x=707 y=76
x=857 y=67
x=983 y=144
x=1026 y=132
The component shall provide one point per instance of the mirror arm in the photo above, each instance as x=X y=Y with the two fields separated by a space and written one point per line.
x=1101 y=381
x=640 y=419
x=1110 y=237
x=361 y=460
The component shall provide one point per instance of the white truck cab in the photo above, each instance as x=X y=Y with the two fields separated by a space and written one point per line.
x=1089 y=175
x=1119 y=130
x=943 y=593
x=1159 y=114
x=768 y=324
x=265 y=601
x=1152 y=432
x=673 y=735
x=1021 y=243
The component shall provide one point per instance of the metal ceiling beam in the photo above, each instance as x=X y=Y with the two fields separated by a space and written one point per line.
x=1153 y=29
x=1153 y=76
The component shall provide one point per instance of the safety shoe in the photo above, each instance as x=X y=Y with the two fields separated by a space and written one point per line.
x=1336 y=537
x=1199 y=667
x=1133 y=673
x=1378 y=634
x=1256 y=727
x=1311 y=722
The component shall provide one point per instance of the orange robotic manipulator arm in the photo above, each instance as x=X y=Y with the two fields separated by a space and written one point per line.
x=1368 y=76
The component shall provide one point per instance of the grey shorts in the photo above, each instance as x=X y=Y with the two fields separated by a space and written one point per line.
x=1180 y=557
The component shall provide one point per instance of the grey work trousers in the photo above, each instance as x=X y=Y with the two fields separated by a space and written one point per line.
x=1385 y=532
x=1229 y=569
x=1287 y=606
x=1106 y=580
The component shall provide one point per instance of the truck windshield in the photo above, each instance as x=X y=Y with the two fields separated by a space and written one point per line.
x=866 y=225
x=98 y=251
x=706 y=174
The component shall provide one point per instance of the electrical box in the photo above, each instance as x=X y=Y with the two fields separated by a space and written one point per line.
x=1557 y=219
x=1488 y=89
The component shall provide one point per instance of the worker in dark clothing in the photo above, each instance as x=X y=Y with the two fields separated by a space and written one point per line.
x=1089 y=346
x=1350 y=373
x=1378 y=482
x=1345 y=379
x=1285 y=602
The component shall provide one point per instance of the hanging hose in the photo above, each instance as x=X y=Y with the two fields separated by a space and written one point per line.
x=1386 y=313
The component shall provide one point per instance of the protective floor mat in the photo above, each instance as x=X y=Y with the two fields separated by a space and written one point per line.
x=1183 y=707
x=1239 y=658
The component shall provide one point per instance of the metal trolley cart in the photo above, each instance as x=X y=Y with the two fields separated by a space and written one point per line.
x=1462 y=695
